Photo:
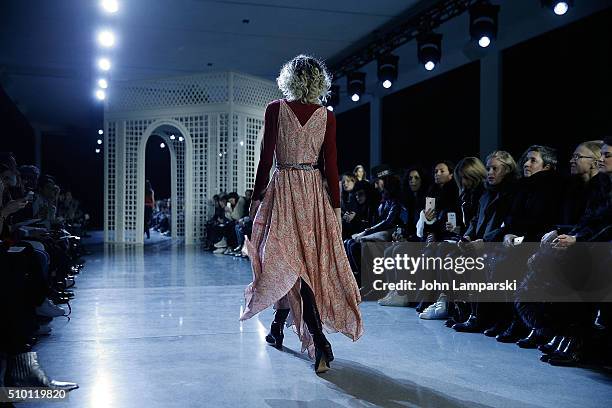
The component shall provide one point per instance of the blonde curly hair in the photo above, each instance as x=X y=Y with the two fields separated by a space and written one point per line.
x=305 y=79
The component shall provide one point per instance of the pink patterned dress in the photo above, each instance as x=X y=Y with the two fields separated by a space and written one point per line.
x=296 y=235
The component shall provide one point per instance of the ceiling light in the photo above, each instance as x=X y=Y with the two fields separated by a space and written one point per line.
x=104 y=64
x=106 y=38
x=110 y=6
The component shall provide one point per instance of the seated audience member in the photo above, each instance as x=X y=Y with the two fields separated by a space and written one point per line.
x=432 y=221
x=363 y=213
x=215 y=225
x=536 y=208
x=415 y=186
x=235 y=210
x=360 y=173
x=469 y=175
x=486 y=226
x=388 y=219
x=347 y=196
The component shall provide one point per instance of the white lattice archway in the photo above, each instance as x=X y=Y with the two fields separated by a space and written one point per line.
x=219 y=115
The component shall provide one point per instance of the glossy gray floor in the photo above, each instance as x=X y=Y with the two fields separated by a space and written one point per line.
x=158 y=327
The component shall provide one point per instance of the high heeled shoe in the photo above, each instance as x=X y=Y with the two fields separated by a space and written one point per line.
x=275 y=336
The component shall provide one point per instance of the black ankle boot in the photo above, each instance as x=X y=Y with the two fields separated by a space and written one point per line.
x=512 y=334
x=471 y=325
x=562 y=345
x=496 y=329
x=551 y=346
x=276 y=336
x=533 y=340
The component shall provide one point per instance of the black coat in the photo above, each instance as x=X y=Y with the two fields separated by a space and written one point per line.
x=388 y=216
x=536 y=207
x=596 y=222
x=493 y=208
x=470 y=199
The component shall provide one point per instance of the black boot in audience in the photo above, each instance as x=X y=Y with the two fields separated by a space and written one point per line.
x=471 y=325
x=551 y=346
x=560 y=348
x=496 y=329
x=513 y=333
x=537 y=337
x=570 y=356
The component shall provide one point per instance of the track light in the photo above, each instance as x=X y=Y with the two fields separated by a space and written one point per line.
x=429 y=49
x=355 y=83
x=106 y=38
x=104 y=64
x=97 y=151
x=387 y=69
x=162 y=145
x=100 y=94
x=102 y=83
x=100 y=132
x=110 y=6
x=483 y=23
x=99 y=141
x=558 y=7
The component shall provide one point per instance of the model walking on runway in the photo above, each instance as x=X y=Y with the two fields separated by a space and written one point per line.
x=296 y=251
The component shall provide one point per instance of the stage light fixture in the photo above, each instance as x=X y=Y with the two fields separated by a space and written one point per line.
x=104 y=64
x=560 y=8
x=99 y=141
x=172 y=137
x=102 y=83
x=162 y=145
x=100 y=94
x=483 y=23
x=387 y=69
x=110 y=6
x=181 y=138
x=106 y=38
x=355 y=83
x=100 y=132
x=97 y=151
x=429 y=49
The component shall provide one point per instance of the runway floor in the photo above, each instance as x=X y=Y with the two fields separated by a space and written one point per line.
x=157 y=326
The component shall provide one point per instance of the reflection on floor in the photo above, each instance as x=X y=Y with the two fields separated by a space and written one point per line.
x=158 y=327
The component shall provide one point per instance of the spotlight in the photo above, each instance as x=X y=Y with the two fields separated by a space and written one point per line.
x=429 y=49
x=387 y=69
x=99 y=141
x=104 y=64
x=100 y=94
x=97 y=151
x=162 y=145
x=241 y=143
x=110 y=5
x=172 y=137
x=103 y=83
x=355 y=83
x=558 y=7
x=483 y=23
x=181 y=138
x=106 y=38
x=100 y=132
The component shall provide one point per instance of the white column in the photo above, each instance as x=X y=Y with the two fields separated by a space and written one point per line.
x=375 y=132
x=490 y=103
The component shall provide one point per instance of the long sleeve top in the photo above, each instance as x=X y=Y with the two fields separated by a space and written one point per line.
x=328 y=150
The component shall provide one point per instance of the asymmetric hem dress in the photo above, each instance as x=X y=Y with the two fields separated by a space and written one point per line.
x=295 y=231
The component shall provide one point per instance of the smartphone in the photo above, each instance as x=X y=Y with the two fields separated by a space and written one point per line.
x=452 y=218
x=430 y=203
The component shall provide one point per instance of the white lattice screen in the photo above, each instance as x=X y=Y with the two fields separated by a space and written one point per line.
x=220 y=117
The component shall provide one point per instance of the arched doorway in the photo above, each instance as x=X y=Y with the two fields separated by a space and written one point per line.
x=158 y=178
x=175 y=139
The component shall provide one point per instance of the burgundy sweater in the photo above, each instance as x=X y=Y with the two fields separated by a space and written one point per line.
x=328 y=150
